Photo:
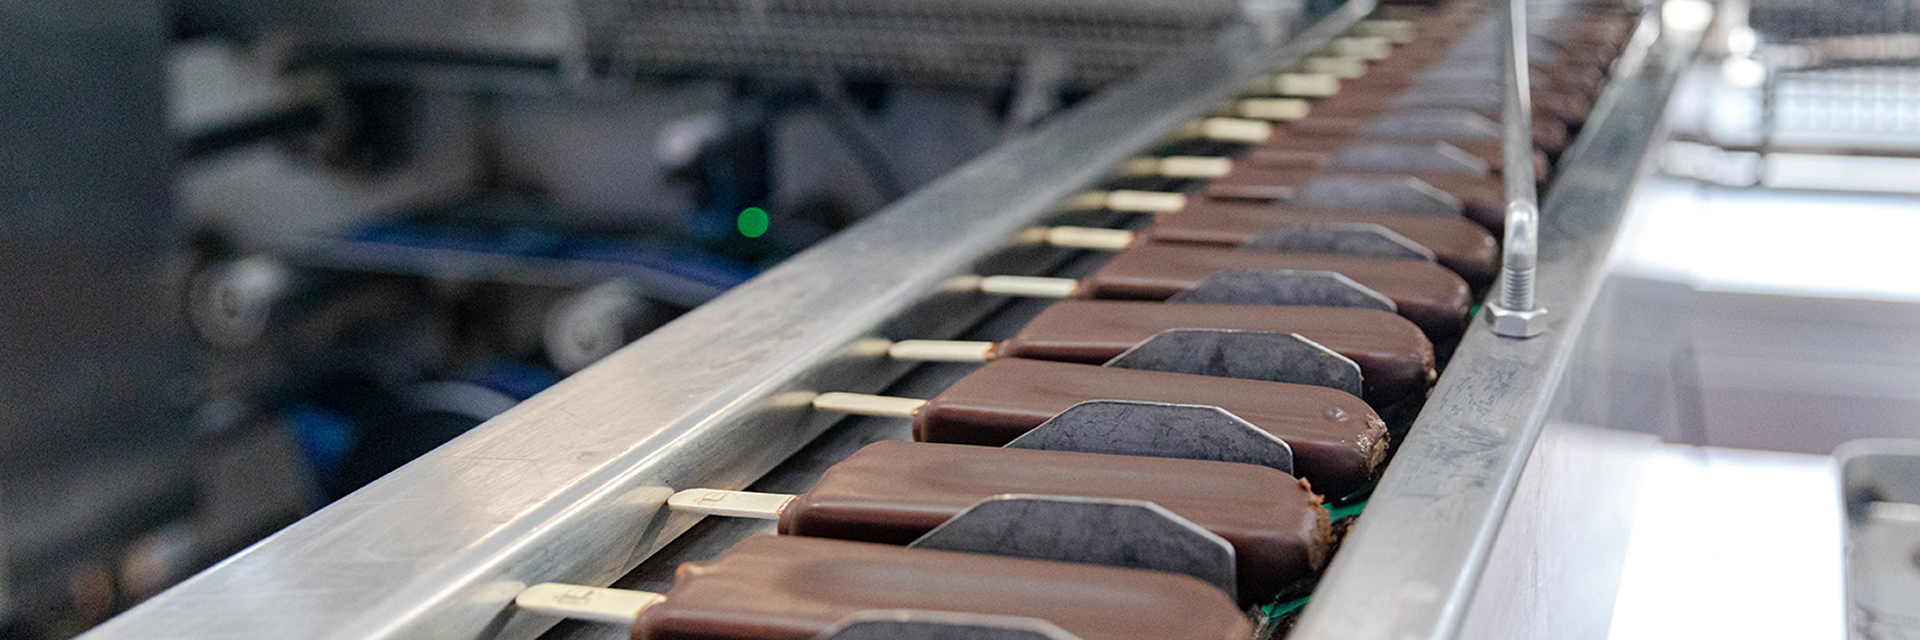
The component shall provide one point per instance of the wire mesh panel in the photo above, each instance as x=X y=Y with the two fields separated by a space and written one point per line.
x=1848 y=101
x=1090 y=41
x=1797 y=19
x=1842 y=74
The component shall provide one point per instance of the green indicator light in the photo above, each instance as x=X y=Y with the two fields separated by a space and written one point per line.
x=753 y=222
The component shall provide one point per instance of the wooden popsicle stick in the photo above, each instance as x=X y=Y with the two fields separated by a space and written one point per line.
x=1228 y=130
x=868 y=405
x=615 y=606
x=1338 y=66
x=1298 y=85
x=942 y=350
x=1083 y=238
x=1131 y=201
x=1030 y=286
x=1270 y=109
x=735 y=504
x=1180 y=167
x=1362 y=47
x=1395 y=31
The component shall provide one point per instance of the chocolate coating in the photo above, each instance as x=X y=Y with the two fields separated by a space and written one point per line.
x=1364 y=97
x=1584 y=75
x=893 y=492
x=793 y=588
x=1395 y=358
x=1338 y=441
x=1543 y=84
x=1428 y=294
x=1460 y=244
x=1312 y=151
x=1551 y=109
x=1483 y=196
x=1549 y=135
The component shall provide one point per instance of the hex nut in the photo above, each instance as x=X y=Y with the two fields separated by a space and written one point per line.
x=1518 y=324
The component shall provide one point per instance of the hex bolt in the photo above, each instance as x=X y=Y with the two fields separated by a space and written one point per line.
x=1514 y=311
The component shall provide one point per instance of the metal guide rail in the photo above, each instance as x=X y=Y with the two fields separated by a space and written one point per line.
x=571 y=486
x=1409 y=568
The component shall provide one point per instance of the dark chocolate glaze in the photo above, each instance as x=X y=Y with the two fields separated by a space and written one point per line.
x=893 y=492
x=1374 y=95
x=793 y=588
x=1308 y=151
x=1549 y=55
x=1426 y=293
x=1377 y=101
x=1338 y=441
x=1460 y=244
x=1581 y=74
x=1445 y=21
x=1549 y=135
x=1395 y=358
x=1483 y=196
x=1543 y=83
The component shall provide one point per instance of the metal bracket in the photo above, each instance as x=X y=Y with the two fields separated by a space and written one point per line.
x=1284 y=288
x=910 y=624
x=1131 y=534
x=1252 y=355
x=1340 y=238
x=1160 y=430
x=1880 y=488
x=1405 y=194
x=1426 y=156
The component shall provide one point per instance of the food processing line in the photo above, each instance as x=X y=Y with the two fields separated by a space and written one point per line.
x=751 y=390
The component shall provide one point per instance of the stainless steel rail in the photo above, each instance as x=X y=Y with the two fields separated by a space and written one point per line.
x=1408 y=569
x=568 y=486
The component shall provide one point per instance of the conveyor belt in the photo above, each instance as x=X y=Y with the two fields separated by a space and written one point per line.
x=570 y=485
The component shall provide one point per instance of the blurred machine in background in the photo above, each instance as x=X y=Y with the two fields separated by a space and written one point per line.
x=1761 y=314
x=93 y=436
x=330 y=236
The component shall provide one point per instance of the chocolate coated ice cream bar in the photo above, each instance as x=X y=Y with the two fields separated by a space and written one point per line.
x=1457 y=243
x=894 y=492
x=1481 y=195
x=1549 y=135
x=1292 y=149
x=1357 y=98
x=1410 y=125
x=795 y=588
x=1395 y=358
x=1442 y=167
x=1338 y=441
x=1426 y=293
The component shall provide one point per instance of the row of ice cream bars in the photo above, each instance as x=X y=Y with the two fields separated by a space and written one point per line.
x=1145 y=458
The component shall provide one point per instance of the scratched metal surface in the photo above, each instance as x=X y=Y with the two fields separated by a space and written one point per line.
x=1409 y=568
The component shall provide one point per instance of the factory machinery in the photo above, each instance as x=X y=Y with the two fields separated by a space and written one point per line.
x=1313 y=323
